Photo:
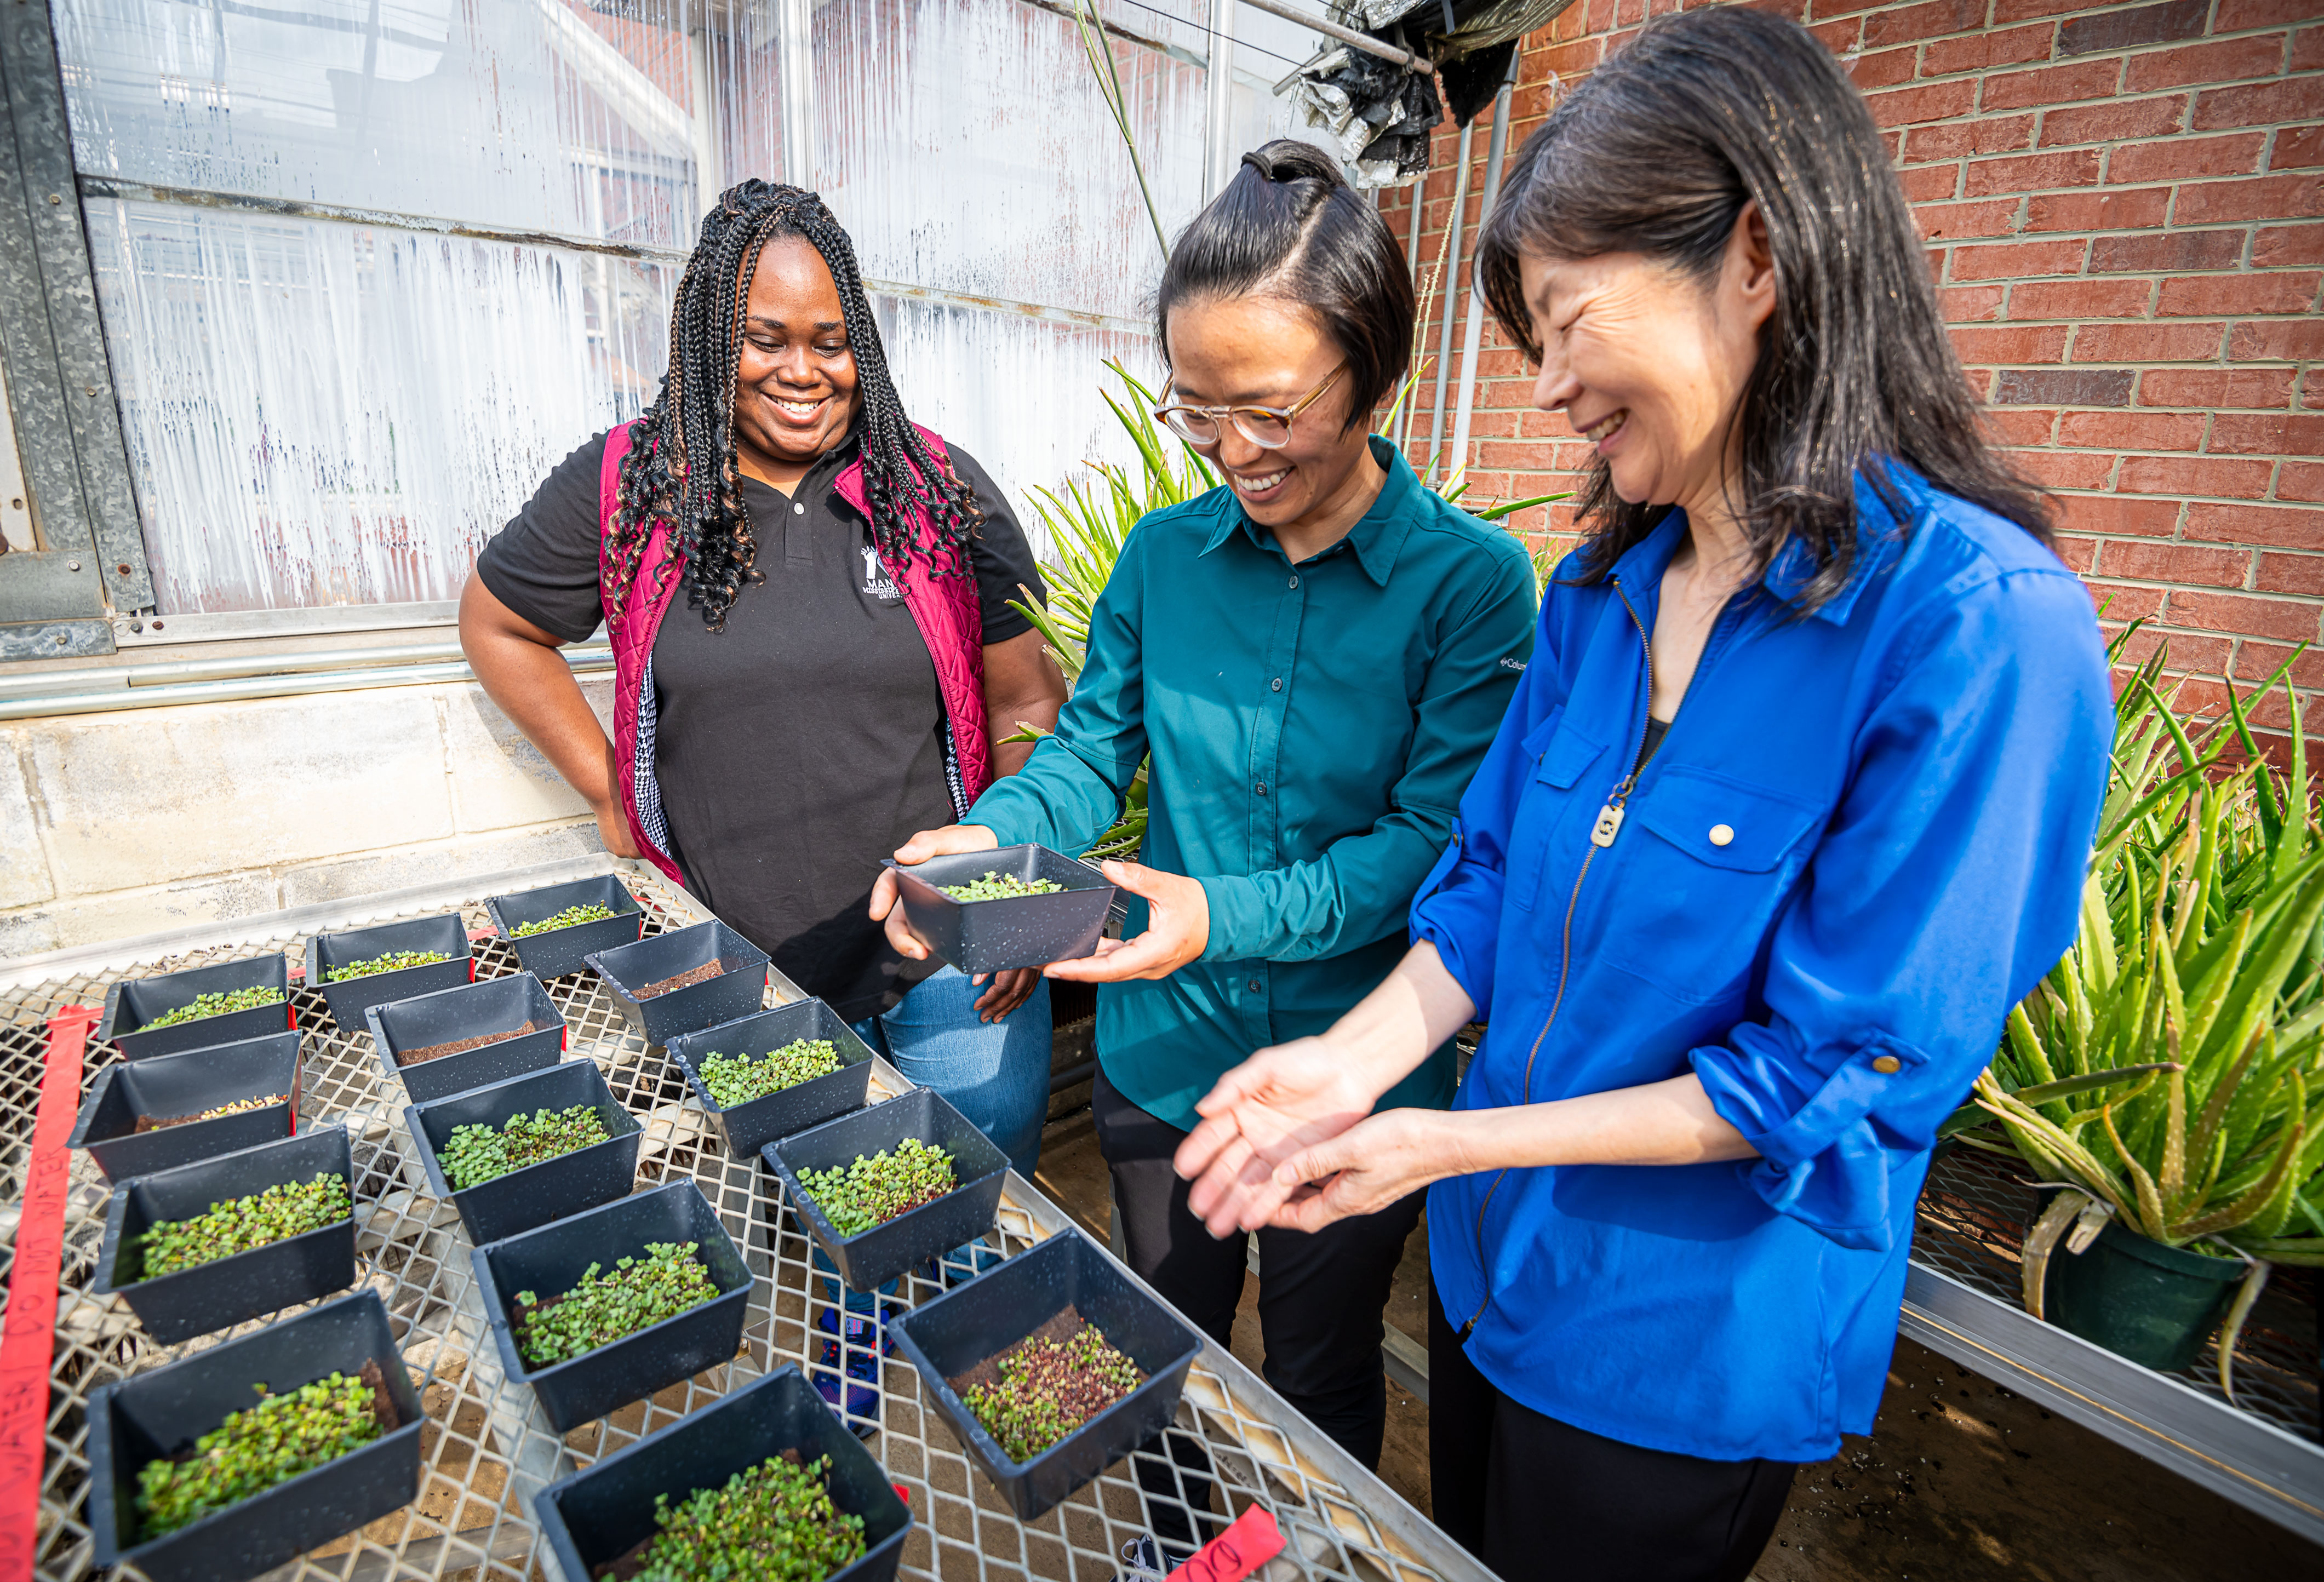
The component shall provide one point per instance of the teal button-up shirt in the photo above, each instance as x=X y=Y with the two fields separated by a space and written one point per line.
x=1312 y=728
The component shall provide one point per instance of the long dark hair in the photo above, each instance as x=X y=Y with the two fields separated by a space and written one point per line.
x=682 y=468
x=1289 y=225
x=1656 y=153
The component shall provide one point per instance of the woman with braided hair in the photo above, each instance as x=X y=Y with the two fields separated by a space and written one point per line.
x=807 y=599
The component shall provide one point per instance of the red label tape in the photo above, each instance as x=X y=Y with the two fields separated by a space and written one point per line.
x=1243 y=1548
x=30 y=1333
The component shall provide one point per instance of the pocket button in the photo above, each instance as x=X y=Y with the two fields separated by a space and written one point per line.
x=1887 y=1065
x=1722 y=835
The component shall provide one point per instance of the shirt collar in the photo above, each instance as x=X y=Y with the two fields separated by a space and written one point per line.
x=1379 y=535
x=1879 y=531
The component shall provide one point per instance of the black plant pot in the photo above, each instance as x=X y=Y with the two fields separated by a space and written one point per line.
x=946 y=1338
x=494 y=1005
x=551 y=1260
x=562 y=951
x=162 y=1412
x=739 y=990
x=187 y=1083
x=446 y=936
x=871 y=1258
x=512 y=1204
x=748 y=1127
x=227 y=1291
x=1024 y=931
x=130 y=1005
x=597 y=1516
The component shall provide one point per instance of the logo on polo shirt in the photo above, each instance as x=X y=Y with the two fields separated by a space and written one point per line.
x=876 y=580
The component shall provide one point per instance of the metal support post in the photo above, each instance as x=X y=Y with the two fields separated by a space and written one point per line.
x=1451 y=274
x=1219 y=156
x=1472 y=338
x=800 y=151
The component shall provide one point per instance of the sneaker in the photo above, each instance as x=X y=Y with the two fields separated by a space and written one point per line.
x=859 y=1379
x=1143 y=1556
x=859 y=1333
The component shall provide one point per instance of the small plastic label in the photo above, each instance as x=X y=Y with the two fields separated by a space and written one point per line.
x=1243 y=1548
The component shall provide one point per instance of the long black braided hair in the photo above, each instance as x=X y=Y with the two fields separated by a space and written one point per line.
x=682 y=468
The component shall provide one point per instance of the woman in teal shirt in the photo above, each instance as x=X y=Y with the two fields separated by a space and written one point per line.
x=1316 y=655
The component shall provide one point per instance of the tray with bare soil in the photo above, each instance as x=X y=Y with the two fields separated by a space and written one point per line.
x=463 y=1037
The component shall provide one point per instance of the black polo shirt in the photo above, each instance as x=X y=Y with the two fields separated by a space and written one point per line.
x=802 y=743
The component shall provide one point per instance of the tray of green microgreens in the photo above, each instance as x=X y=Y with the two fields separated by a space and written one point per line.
x=762 y=1482
x=774 y=1072
x=605 y=1306
x=1016 y=907
x=524 y=1151
x=891 y=1187
x=356 y=968
x=198 y=1008
x=553 y=928
x=243 y=1456
x=205 y=1244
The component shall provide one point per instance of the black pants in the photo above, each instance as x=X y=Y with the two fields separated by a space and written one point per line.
x=1532 y=1496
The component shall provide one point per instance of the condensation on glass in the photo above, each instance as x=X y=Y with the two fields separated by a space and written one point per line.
x=322 y=412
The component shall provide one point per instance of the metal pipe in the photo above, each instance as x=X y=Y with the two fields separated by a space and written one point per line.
x=165 y=671
x=1346 y=35
x=795 y=23
x=1472 y=338
x=1218 y=102
x=1065 y=1078
x=37 y=706
x=1451 y=274
x=1412 y=259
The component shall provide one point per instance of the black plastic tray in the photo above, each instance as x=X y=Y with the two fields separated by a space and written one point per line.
x=131 y=1003
x=598 y=1515
x=516 y=1203
x=871 y=1258
x=739 y=990
x=748 y=1127
x=228 y=1290
x=552 y=1259
x=1025 y=931
x=162 y=1412
x=969 y=1323
x=492 y=1005
x=555 y=954
x=187 y=1083
x=445 y=934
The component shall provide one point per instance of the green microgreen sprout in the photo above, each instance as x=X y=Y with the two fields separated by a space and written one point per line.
x=1048 y=1388
x=603 y=1308
x=478 y=1154
x=775 y=1523
x=737 y=1079
x=393 y=961
x=255 y=1449
x=259 y=1101
x=1000 y=887
x=571 y=918
x=877 y=1187
x=215 y=1005
x=291 y=1208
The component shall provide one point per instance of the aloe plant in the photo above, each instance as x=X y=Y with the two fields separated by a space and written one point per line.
x=2163 y=1070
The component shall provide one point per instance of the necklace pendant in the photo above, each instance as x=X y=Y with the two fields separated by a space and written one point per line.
x=1608 y=826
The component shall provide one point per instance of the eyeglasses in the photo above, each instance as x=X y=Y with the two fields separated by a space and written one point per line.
x=1268 y=428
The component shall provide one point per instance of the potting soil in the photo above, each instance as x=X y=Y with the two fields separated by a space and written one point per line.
x=775 y=1521
x=412 y=1057
x=1032 y=1394
x=686 y=980
x=260 y=1446
x=289 y=1209
x=154 y=1123
x=603 y=1308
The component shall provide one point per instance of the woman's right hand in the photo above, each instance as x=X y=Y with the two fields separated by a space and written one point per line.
x=1275 y=1105
x=613 y=830
x=927 y=843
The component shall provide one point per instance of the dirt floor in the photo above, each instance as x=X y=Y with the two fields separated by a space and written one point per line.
x=1963 y=1481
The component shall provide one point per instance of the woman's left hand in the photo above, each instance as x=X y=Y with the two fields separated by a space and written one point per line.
x=1012 y=987
x=1378 y=1161
x=1177 y=928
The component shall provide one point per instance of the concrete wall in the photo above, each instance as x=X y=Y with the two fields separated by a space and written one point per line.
x=125 y=823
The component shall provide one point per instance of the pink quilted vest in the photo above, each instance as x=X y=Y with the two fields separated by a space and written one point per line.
x=945 y=608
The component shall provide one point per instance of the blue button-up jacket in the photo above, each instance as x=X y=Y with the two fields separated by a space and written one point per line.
x=1862 y=840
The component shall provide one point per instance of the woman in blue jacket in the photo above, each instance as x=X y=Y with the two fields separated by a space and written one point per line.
x=1793 y=803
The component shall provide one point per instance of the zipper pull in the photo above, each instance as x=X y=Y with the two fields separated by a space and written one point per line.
x=1608 y=826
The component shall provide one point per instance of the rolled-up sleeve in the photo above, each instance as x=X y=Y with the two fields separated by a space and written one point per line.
x=1947 y=883
x=1355 y=891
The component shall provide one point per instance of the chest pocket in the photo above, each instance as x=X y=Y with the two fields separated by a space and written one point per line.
x=1714 y=860
x=1561 y=754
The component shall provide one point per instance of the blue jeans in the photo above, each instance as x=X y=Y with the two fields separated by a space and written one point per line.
x=996 y=1073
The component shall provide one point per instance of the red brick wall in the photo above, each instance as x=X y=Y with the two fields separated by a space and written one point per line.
x=2125 y=212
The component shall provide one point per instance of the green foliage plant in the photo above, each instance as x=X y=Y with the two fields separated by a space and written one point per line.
x=393 y=961
x=775 y=1523
x=737 y=1079
x=571 y=918
x=291 y=1208
x=255 y=1449
x=1048 y=1388
x=2166 y=1072
x=482 y=1153
x=206 y=1005
x=877 y=1187
x=1001 y=886
x=603 y=1308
